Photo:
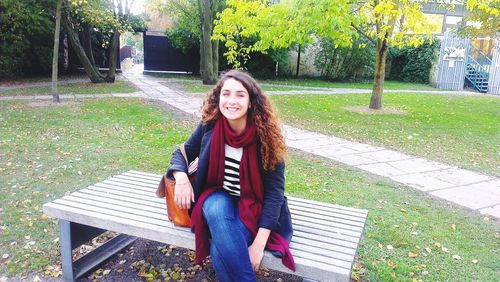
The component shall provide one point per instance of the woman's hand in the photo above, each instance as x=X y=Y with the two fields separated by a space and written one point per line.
x=183 y=191
x=256 y=250
x=256 y=253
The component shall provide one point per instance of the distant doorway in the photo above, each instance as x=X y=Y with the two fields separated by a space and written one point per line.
x=132 y=52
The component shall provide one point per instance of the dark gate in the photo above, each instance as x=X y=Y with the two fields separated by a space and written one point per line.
x=160 y=55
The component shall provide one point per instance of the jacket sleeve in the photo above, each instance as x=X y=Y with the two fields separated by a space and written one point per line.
x=192 y=147
x=274 y=186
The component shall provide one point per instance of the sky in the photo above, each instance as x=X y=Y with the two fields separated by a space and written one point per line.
x=138 y=7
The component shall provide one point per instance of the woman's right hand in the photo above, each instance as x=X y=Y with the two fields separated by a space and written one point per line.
x=183 y=192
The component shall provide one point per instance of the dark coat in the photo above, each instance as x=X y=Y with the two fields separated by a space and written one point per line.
x=275 y=212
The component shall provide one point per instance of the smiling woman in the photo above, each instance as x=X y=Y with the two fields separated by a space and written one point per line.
x=241 y=154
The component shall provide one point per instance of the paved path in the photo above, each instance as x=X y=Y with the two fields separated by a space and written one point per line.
x=470 y=189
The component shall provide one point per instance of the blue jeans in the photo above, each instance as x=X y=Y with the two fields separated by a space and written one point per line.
x=230 y=238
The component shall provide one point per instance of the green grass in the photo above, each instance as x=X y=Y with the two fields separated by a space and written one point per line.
x=392 y=85
x=46 y=152
x=407 y=220
x=459 y=130
x=39 y=79
x=196 y=86
x=118 y=86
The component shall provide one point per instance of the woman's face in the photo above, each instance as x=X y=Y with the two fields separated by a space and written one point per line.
x=234 y=102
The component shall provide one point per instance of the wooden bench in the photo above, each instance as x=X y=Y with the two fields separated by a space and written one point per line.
x=324 y=244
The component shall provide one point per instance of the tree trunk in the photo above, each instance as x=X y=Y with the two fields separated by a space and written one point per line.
x=298 y=63
x=113 y=57
x=215 y=58
x=87 y=43
x=207 y=72
x=378 y=81
x=55 y=54
x=92 y=73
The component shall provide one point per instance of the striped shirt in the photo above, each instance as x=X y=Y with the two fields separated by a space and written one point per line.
x=232 y=170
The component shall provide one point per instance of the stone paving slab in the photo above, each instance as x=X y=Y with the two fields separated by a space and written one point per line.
x=492 y=211
x=385 y=155
x=474 y=196
x=418 y=165
x=458 y=176
x=463 y=187
x=383 y=169
x=422 y=182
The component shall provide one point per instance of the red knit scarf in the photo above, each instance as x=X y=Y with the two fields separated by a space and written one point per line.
x=251 y=193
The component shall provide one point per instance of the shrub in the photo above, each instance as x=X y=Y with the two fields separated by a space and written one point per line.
x=26 y=37
x=341 y=63
x=412 y=64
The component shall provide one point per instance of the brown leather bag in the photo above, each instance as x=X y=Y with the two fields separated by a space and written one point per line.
x=180 y=217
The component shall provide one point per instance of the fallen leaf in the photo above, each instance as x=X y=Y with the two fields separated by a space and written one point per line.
x=456 y=257
x=5 y=256
x=444 y=249
x=412 y=255
x=428 y=250
x=37 y=279
x=106 y=272
x=390 y=247
x=474 y=261
x=123 y=261
x=454 y=227
x=119 y=270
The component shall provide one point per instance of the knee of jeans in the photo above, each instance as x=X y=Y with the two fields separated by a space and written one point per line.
x=218 y=206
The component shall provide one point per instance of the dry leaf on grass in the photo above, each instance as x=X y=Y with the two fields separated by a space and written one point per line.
x=412 y=255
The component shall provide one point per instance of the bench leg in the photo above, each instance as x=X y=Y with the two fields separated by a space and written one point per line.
x=73 y=235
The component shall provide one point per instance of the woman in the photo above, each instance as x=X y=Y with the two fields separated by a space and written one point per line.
x=238 y=193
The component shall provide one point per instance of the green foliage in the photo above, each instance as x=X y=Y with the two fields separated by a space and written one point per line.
x=183 y=39
x=485 y=12
x=413 y=64
x=186 y=31
x=26 y=37
x=340 y=63
x=281 y=25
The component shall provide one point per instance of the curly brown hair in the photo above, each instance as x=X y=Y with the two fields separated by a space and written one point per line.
x=261 y=113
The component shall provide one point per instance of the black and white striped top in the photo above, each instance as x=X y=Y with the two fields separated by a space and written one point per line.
x=232 y=170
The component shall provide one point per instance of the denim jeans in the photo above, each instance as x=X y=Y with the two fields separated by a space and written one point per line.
x=230 y=238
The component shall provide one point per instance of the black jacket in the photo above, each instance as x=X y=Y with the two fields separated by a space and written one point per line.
x=275 y=212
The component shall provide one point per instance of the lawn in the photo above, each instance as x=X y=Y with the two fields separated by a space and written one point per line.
x=312 y=82
x=192 y=84
x=119 y=86
x=459 y=130
x=40 y=79
x=195 y=86
x=46 y=152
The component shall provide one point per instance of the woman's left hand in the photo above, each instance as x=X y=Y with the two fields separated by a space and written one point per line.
x=256 y=253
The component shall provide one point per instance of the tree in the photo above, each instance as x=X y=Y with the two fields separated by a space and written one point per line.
x=26 y=33
x=81 y=17
x=383 y=22
x=482 y=18
x=55 y=55
x=193 y=22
